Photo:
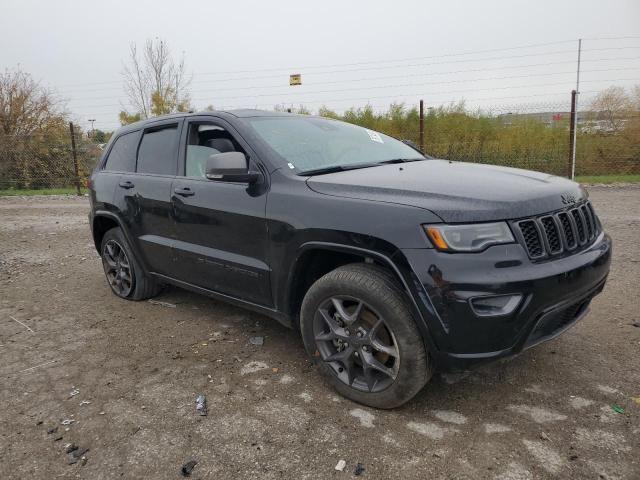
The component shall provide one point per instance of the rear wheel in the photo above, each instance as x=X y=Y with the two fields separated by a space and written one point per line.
x=124 y=273
x=357 y=326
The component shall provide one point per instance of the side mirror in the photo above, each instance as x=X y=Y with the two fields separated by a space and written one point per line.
x=230 y=167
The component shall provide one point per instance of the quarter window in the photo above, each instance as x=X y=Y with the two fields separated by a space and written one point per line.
x=122 y=157
x=158 y=151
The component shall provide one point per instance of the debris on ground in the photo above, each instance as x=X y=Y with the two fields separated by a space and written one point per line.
x=544 y=436
x=201 y=405
x=74 y=392
x=70 y=447
x=359 y=470
x=85 y=402
x=636 y=399
x=617 y=408
x=340 y=466
x=76 y=455
x=52 y=430
x=256 y=340
x=57 y=439
x=67 y=421
x=636 y=324
x=162 y=304
x=187 y=468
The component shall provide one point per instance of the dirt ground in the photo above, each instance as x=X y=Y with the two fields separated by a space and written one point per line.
x=80 y=366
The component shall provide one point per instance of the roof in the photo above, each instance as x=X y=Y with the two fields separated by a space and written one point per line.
x=240 y=113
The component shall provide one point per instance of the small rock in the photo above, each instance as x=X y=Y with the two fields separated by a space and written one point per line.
x=187 y=468
x=52 y=430
x=340 y=466
x=70 y=447
x=76 y=455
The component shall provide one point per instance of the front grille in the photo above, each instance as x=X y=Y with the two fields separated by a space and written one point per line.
x=558 y=233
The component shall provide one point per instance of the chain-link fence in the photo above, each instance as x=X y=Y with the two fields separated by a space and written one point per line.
x=530 y=136
x=32 y=162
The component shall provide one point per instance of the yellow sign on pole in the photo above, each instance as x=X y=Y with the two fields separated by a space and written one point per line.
x=295 y=79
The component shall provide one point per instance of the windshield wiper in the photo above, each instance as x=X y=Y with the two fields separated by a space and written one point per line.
x=343 y=168
x=400 y=160
x=337 y=168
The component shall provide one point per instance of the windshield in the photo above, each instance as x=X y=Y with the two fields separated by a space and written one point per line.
x=311 y=144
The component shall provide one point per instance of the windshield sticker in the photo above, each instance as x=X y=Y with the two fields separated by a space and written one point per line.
x=374 y=136
x=291 y=165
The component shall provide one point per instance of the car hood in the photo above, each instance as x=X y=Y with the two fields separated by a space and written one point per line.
x=455 y=191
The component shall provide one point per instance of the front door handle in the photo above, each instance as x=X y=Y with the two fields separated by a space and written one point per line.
x=184 y=192
x=126 y=184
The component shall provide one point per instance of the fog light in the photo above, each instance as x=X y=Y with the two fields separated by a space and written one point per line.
x=494 y=305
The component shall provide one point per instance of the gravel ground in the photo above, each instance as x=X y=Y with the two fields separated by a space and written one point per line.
x=79 y=366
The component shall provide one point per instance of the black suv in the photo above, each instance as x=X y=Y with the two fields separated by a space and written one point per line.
x=389 y=263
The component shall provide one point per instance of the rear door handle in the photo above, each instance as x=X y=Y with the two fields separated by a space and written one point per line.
x=184 y=192
x=126 y=184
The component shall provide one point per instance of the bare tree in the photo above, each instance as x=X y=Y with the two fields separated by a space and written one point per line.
x=614 y=106
x=25 y=106
x=155 y=83
x=32 y=123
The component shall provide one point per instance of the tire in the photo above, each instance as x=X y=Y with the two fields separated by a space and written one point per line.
x=125 y=276
x=354 y=316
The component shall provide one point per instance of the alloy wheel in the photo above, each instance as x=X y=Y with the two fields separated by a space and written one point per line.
x=356 y=342
x=117 y=268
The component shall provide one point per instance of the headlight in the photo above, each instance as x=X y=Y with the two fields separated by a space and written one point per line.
x=468 y=238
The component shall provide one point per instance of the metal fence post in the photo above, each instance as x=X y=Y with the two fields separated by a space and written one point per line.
x=572 y=136
x=421 y=143
x=75 y=157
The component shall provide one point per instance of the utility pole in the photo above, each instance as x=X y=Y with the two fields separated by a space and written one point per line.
x=575 y=113
x=91 y=121
x=421 y=126
x=75 y=157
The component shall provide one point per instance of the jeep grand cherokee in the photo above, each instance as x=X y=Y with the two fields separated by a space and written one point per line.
x=389 y=263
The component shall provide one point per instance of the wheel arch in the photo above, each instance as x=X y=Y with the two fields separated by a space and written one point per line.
x=102 y=222
x=299 y=279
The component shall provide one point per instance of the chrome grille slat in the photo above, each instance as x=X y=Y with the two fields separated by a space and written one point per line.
x=551 y=235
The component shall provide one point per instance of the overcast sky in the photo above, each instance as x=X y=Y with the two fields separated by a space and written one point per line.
x=498 y=55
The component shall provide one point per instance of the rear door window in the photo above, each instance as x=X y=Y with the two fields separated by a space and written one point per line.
x=158 y=152
x=122 y=157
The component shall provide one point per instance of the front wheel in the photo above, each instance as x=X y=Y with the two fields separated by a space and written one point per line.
x=357 y=326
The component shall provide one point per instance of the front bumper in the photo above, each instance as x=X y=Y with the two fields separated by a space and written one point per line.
x=556 y=294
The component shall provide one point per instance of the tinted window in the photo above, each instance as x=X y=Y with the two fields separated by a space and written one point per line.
x=158 y=151
x=122 y=157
